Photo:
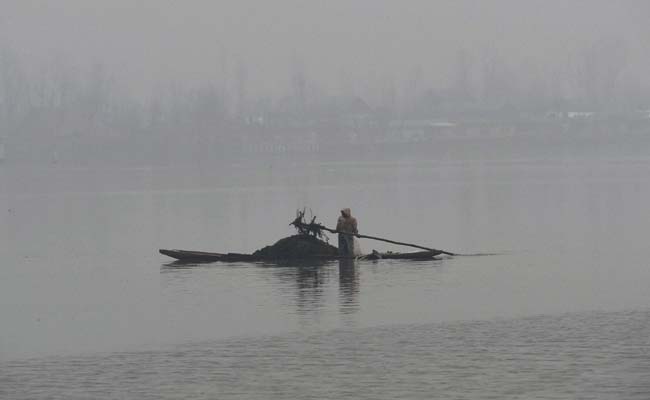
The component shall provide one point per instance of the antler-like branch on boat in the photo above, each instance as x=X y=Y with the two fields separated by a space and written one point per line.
x=312 y=228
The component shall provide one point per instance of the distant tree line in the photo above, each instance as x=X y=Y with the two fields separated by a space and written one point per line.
x=47 y=115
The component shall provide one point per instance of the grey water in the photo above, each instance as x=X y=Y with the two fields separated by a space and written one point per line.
x=89 y=309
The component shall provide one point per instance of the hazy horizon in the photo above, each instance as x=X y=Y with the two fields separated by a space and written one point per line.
x=338 y=47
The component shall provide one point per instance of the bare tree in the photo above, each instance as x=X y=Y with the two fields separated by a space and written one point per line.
x=498 y=79
x=462 y=80
x=242 y=88
x=13 y=86
x=597 y=70
x=299 y=83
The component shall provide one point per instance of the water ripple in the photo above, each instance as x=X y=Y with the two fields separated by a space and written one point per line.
x=573 y=356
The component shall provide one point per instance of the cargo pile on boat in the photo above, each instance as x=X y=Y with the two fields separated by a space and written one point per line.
x=296 y=247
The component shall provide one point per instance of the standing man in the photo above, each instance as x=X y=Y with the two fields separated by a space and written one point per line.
x=346 y=225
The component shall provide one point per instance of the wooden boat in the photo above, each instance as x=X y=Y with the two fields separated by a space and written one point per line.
x=418 y=255
x=307 y=245
x=189 y=256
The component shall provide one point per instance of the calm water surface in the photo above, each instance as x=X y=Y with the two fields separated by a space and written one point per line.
x=90 y=310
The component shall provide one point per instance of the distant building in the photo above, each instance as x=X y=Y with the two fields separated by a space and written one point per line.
x=576 y=115
x=555 y=114
x=419 y=130
x=580 y=114
x=643 y=114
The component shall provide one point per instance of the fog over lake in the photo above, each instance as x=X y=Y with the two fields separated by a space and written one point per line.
x=514 y=133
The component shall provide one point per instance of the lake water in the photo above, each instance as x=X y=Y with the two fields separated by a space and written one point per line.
x=89 y=309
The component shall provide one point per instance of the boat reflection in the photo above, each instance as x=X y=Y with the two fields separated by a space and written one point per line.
x=177 y=265
x=302 y=282
x=305 y=283
x=348 y=286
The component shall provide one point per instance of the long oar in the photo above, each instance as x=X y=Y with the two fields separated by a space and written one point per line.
x=378 y=238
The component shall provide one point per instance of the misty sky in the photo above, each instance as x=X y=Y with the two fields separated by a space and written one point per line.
x=354 y=46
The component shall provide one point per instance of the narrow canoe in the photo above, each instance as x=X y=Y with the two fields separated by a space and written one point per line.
x=205 y=257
